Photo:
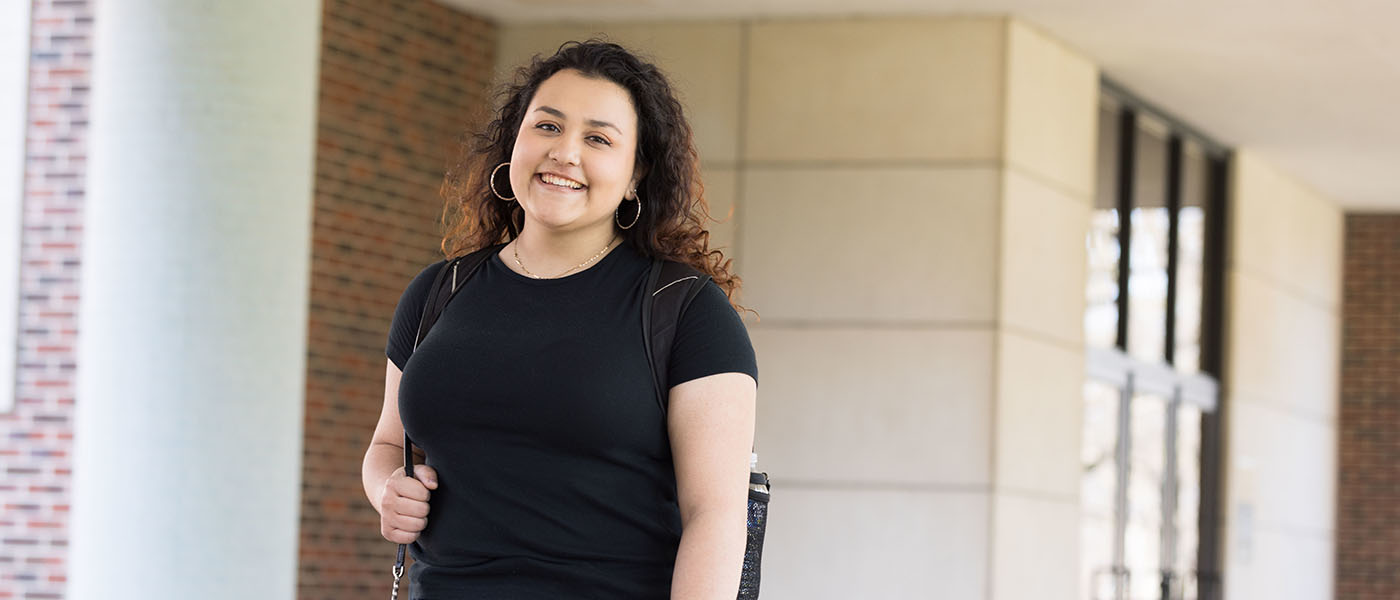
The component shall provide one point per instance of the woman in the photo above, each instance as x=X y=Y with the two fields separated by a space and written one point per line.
x=549 y=469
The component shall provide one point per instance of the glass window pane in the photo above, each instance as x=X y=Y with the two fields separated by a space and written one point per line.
x=1101 y=314
x=1142 y=541
x=1098 y=455
x=1147 y=283
x=1160 y=483
x=1188 y=498
x=1191 y=237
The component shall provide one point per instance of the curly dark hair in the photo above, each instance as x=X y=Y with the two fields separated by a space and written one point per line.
x=673 y=225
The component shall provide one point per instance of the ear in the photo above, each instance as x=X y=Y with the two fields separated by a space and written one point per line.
x=637 y=176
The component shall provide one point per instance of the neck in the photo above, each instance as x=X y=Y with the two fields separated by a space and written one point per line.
x=548 y=253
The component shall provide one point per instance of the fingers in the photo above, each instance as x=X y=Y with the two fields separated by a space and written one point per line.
x=426 y=474
x=410 y=488
x=409 y=508
x=403 y=519
x=402 y=523
x=399 y=536
x=412 y=503
x=405 y=505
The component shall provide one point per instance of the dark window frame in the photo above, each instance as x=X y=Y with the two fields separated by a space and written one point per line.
x=1217 y=161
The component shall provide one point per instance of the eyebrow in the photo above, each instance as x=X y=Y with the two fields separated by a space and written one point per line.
x=591 y=122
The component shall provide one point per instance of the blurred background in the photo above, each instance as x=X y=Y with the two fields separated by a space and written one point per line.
x=1060 y=299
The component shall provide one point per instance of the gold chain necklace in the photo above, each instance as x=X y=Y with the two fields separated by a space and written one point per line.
x=515 y=249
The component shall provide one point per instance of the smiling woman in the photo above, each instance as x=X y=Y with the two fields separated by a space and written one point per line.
x=596 y=103
x=551 y=466
x=573 y=162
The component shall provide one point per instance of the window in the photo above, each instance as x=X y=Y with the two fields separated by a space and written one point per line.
x=1151 y=325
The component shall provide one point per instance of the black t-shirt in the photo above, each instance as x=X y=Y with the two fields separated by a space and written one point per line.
x=534 y=402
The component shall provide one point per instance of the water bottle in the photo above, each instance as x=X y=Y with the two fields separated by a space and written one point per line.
x=753 y=468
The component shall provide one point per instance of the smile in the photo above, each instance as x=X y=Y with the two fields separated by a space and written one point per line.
x=559 y=182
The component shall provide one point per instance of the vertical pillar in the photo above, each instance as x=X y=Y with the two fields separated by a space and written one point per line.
x=1283 y=321
x=869 y=211
x=914 y=204
x=192 y=345
x=1051 y=108
x=14 y=78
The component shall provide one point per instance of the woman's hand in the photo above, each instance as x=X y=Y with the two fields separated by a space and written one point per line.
x=404 y=504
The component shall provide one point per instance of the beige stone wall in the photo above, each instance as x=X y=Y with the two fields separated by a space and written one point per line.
x=1051 y=106
x=1282 y=383
x=911 y=199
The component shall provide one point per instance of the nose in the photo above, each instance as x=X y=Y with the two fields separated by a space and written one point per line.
x=565 y=150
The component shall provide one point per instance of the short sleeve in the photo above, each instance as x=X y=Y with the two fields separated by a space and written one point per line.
x=404 y=328
x=710 y=339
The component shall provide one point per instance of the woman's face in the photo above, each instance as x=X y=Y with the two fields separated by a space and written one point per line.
x=584 y=131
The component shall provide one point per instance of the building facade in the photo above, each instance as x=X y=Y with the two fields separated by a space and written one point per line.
x=1023 y=333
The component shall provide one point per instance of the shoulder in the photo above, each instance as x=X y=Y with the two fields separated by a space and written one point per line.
x=676 y=280
x=415 y=294
x=420 y=282
x=689 y=289
x=709 y=312
x=403 y=328
x=706 y=309
x=711 y=297
x=470 y=260
x=711 y=338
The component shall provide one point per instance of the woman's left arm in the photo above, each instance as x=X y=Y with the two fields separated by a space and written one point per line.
x=711 y=423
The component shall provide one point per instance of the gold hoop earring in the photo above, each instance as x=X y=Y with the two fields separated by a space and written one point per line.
x=618 y=219
x=492 y=182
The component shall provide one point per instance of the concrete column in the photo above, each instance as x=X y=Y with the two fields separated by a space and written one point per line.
x=915 y=202
x=1048 y=178
x=1283 y=351
x=187 y=465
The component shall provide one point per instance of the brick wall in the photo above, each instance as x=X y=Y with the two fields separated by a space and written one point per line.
x=1368 y=503
x=37 y=436
x=399 y=81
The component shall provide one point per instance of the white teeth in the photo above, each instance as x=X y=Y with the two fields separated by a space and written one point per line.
x=560 y=181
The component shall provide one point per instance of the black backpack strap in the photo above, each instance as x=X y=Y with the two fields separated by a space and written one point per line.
x=446 y=284
x=671 y=286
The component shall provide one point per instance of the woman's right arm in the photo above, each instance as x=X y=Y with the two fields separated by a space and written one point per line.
x=382 y=473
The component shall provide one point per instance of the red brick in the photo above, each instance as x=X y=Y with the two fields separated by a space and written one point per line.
x=1368 y=494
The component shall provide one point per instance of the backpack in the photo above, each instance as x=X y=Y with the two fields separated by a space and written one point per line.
x=671 y=287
